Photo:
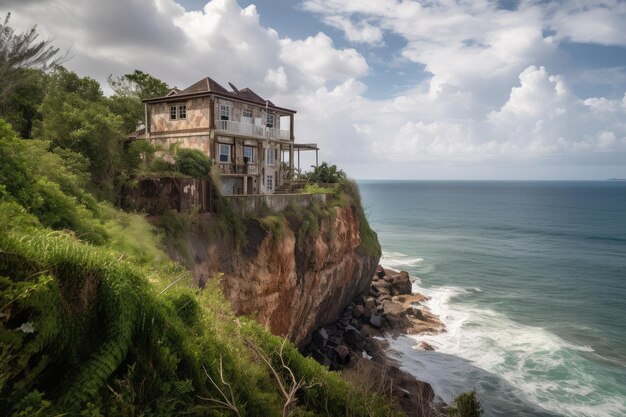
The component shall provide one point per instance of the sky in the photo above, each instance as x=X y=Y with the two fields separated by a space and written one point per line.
x=388 y=89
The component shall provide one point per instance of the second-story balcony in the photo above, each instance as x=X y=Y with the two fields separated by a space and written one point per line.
x=249 y=129
x=238 y=169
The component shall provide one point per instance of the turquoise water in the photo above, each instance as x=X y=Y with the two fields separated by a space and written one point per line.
x=530 y=280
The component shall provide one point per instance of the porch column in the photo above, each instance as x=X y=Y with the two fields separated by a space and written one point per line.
x=316 y=158
x=291 y=159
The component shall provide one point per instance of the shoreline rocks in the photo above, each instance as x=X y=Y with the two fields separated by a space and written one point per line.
x=388 y=309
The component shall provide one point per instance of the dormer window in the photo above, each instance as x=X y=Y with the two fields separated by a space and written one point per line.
x=172 y=112
x=270 y=120
x=182 y=112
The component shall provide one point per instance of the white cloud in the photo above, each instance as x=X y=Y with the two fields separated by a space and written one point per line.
x=360 y=32
x=319 y=61
x=594 y=21
x=489 y=99
x=277 y=78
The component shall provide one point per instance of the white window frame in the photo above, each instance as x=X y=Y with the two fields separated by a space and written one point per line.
x=247 y=113
x=269 y=182
x=270 y=156
x=224 y=111
x=173 y=114
x=182 y=111
x=228 y=154
x=268 y=123
x=251 y=156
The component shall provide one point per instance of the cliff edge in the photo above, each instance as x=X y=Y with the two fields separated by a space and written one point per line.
x=293 y=271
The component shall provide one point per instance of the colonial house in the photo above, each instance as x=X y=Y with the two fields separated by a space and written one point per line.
x=247 y=137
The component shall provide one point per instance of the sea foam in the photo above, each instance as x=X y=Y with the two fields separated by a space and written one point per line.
x=538 y=373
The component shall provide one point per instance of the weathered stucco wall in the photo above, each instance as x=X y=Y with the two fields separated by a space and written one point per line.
x=198 y=116
x=199 y=142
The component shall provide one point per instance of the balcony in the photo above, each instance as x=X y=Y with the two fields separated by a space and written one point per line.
x=252 y=130
x=238 y=169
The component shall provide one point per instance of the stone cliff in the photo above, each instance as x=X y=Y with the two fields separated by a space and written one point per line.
x=289 y=280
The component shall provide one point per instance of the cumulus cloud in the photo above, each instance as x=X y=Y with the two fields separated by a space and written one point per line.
x=600 y=22
x=363 y=31
x=319 y=61
x=223 y=40
x=488 y=97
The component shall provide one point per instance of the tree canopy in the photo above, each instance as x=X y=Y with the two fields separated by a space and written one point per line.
x=19 y=51
x=129 y=90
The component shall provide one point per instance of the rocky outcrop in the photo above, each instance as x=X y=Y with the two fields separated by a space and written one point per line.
x=292 y=284
x=389 y=309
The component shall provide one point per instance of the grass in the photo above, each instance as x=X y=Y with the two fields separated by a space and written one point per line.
x=135 y=338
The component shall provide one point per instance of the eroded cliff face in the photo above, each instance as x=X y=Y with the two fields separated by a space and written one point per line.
x=291 y=284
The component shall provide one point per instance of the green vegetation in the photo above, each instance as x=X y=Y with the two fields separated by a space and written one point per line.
x=129 y=90
x=20 y=52
x=114 y=328
x=94 y=318
x=466 y=405
x=193 y=163
x=314 y=188
x=324 y=174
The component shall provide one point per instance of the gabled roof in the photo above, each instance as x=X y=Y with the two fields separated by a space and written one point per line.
x=205 y=85
x=208 y=86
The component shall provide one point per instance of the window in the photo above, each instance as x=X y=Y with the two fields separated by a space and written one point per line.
x=224 y=112
x=178 y=112
x=224 y=152
x=270 y=120
x=270 y=182
x=246 y=116
x=270 y=157
x=248 y=154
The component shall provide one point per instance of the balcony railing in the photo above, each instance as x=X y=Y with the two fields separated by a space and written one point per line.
x=238 y=169
x=250 y=129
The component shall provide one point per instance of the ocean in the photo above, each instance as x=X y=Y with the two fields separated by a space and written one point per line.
x=530 y=281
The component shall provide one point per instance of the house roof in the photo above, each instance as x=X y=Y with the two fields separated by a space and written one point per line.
x=208 y=86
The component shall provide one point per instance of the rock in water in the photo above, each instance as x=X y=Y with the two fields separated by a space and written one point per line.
x=425 y=346
x=402 y=284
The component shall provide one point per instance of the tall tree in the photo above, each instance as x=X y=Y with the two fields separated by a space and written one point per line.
x=21 y=106
x=19 y=51
x=129 y=90
x=75 y=116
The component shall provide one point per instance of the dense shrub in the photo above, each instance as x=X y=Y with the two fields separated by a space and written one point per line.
x=325 y=174
x=193 y=163
x=466 y=405
x=47 y=187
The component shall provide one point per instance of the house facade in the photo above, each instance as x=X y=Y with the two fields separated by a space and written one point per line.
x=246 y=136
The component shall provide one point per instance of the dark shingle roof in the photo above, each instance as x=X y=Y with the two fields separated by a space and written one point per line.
x=206 y=84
